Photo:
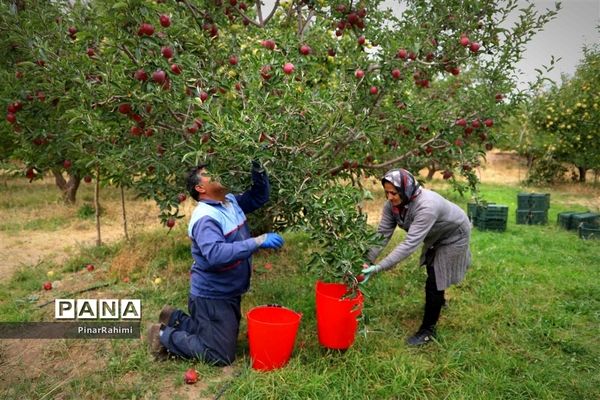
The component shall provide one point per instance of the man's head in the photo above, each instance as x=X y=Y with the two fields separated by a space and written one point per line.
x=201 y=186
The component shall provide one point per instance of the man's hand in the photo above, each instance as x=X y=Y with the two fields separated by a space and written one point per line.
x=269 y=241
x=257 y=167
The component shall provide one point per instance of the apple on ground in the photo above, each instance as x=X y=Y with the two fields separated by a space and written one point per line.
x=47 y=285
x=190 y=376
x=90 y=267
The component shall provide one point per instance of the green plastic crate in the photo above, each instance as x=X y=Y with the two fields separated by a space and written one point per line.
x=564 y=219
x=589 y=231
x=527 y=217
x=533 y=201
x=492 y=211
x=587 y=218
x=491 y=225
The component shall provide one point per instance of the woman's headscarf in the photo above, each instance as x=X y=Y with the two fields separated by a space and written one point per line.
x=405 y=183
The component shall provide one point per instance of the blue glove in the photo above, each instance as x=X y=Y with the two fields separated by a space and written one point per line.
x=367 y=271
x=270 y=241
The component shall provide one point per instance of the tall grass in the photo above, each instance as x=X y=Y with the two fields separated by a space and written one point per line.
x=523 y=325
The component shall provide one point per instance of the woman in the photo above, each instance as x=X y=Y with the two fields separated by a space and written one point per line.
x=440 y=225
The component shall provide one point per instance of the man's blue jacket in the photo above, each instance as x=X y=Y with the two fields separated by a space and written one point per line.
x=222 y=246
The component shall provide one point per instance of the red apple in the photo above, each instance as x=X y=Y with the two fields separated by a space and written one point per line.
x=396 y=73
x=91 y=52
x=288 y=68
x=159 y=76
x=18 y=74
x=170 y=223
x=402 y=54
x=90 y=267
x=233 y=60
x=360 y=278
x=353 y=18
x=166 y=52
x=455 y=71
x=72 y=31
x=203 y=96
x=181 y=197
x=87 y=179
x=489 y=146
x=146 y=29
x=489 y=122
x=176 y=69
x=190 y=376
x=265 y=72
x=447 y=174
x=11 y=118
x=135 y=130
x=499 y=97
x=305 y=50
x=474 y=47
x=464 y=41
x=124 y=108
x=205 y=138
x=268 y=44
x=192 y=128
x=373 y=90
x=165 y=21
x=459 y=142
x=361 y=40
x=359 y=73
x=331 y=52
x=149 y=132
x=41 y=96
x=140 y=75
x=475 y=123
x=47 y=285
x=468 y=130
x=67 y=164
x=362 y=12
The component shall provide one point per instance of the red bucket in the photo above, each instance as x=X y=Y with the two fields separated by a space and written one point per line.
x=337 y=315
x=271 y=334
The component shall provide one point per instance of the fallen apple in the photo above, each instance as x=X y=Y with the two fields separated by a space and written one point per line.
x=47 y=286
x=190 y=376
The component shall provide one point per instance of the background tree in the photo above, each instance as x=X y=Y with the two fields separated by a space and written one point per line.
x=568 y=116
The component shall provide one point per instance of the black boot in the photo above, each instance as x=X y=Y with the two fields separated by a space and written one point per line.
x=423 y=336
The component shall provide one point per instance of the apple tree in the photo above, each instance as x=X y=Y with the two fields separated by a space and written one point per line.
x=323 y=94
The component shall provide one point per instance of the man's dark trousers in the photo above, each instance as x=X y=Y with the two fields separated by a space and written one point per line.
x=209 y=332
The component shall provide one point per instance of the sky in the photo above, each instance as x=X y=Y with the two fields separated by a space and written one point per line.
x=575 y=26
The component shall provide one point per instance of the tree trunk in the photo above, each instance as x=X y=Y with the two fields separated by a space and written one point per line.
x=582 y=172
x=124 y=214
x=97 y=207
x=431 y=171
x=68 y=188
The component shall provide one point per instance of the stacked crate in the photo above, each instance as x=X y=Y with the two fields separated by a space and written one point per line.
x=488 y=216
x=532 y=208
x=572 y=220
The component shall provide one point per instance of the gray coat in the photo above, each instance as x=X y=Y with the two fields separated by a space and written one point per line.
x=440 y=225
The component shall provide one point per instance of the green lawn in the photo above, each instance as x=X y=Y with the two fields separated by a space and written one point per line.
x=523 y=325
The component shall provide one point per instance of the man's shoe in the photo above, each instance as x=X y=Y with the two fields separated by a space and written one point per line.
x=165 y=315
x=153 y=337
x=423 y=336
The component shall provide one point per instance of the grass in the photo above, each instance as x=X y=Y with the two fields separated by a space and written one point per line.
x=523 y=324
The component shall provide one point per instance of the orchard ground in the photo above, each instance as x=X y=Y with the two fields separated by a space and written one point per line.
x=558 y=326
